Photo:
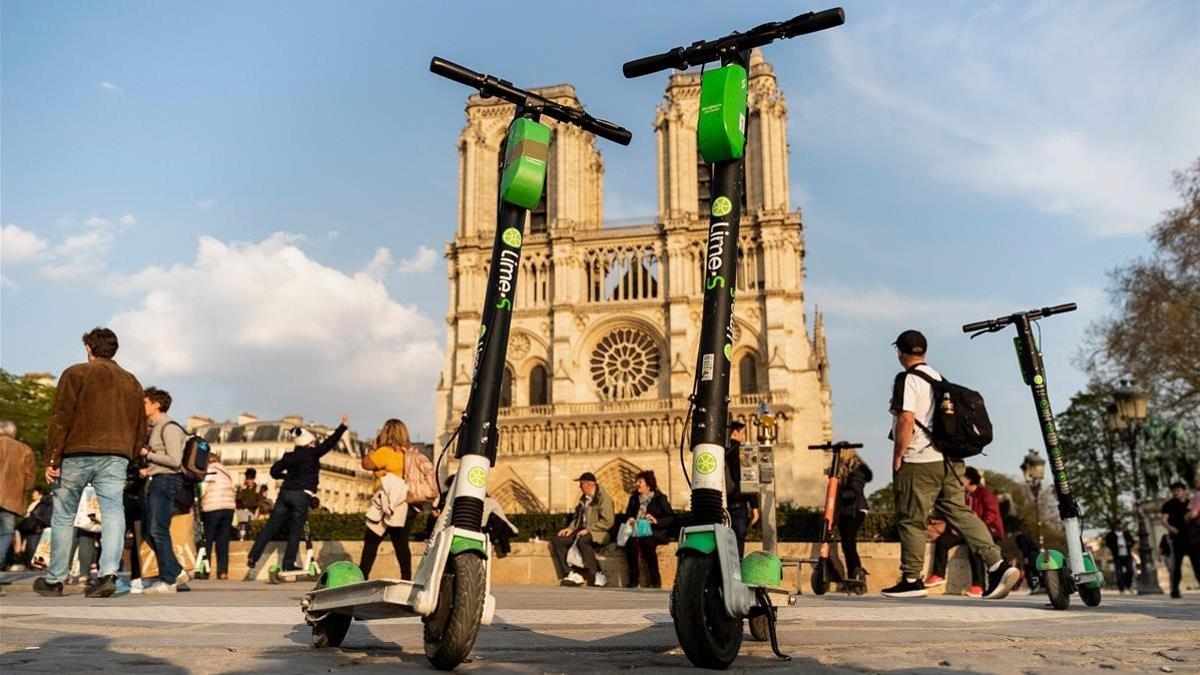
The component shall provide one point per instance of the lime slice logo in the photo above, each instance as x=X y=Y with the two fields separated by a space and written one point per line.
x=477 y=477
x=728 y=352
x=706 y=463
x=722 y=206
x=1038 y=379
x=512 y=237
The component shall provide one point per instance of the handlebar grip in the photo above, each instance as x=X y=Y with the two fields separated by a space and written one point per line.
x=814 y=21
x=653 y=64
x=605 y=129
x=1059 y=309
x=978 y=325
x=852 y=445
x=453 y=71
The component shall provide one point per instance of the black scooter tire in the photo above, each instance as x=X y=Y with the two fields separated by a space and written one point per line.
x=1055 y=583
x=708 y=635
x=820 y=577
x=1090 y=596
x=331 y=630
x=760 y=629
x=450 y=631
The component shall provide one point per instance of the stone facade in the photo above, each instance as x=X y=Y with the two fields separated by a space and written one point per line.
x=606 y=319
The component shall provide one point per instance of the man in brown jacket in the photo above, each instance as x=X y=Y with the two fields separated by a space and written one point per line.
x=97 y=427
x=17 y=474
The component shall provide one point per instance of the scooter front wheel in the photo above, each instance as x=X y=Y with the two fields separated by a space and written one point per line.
x=820 y=576
x=1090 y=595
x=709 y=636
x=450 y=631
x=1056 y=587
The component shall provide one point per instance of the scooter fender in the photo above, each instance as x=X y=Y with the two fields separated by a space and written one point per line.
x=699 y=540
x=1050 y=560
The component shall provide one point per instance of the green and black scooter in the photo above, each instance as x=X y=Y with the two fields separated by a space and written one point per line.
x=452 y=588
x=1076 y=572
x=714 y=591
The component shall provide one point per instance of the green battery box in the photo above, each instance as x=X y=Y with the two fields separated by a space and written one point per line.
x=721 y=129
x=525 y=156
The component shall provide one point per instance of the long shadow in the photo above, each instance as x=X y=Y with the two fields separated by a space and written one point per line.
x=76 y=653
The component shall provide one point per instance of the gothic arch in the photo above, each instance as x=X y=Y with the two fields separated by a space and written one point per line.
x=516 y=497
x=617 y=478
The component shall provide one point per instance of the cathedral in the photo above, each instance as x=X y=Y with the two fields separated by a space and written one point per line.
x=606 y=320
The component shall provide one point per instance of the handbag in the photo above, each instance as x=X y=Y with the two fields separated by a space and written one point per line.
x=643 y=528
x=623 y=533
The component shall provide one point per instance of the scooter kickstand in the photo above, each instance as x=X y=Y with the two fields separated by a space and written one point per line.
x=765 y=600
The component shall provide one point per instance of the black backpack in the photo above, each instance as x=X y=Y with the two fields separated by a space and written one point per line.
x=194 y=463
x=961 y=427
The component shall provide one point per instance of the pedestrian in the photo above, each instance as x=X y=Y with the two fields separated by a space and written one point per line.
x=1120 y=545
x=96 y=428
x=36 y=519
x=300 y=471
x=163 y=460
x=17 y=475
x=648 y=517
x=393 y=517
x=247 y=502
x=1029 y=552
x=853 y=475
x=217 y=503
x=587 y=529
x=88 y=527
x=743 y=507
x=986 y=506
x=499 y=528
x=926 y=480
x=1175 y=516
x=265 y=504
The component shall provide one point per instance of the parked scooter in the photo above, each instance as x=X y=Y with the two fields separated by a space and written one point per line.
x=824 y=571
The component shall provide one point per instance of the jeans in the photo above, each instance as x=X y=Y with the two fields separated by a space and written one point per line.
x=1124 y=571
x=160 y=506
x=106 y=473
x=920 y=487
x=8 y=524
x=848 y=525
x=290 y=510
x=218 y=527
x=739 y=522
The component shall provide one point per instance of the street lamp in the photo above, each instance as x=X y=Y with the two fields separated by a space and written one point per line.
x=1125 y=417
x=1033 y=467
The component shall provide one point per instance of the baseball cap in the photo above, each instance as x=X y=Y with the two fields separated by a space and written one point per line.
x=911 y=342
x=587 y=475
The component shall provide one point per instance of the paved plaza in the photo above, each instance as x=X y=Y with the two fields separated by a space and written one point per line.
x=252 y=627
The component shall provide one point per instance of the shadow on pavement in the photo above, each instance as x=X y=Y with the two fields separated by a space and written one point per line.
x=77 y=653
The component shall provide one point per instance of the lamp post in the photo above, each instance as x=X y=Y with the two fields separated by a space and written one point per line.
x=1033 y=468
x=1126 y=416
x=766 y=432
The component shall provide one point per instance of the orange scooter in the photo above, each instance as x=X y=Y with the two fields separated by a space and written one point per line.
x=824 y=570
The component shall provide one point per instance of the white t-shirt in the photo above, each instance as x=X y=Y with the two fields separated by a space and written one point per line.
x=1122 y=547
x=917 y=398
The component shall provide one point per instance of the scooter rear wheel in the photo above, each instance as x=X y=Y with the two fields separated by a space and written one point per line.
x=450 y=631
x=1090 y=596
x=709 y=636
x=1056 y=587
x=820 y=576
x=760 y=628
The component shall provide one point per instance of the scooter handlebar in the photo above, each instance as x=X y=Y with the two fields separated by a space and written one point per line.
x=453 y=71
x=1033 y=314
x=840 y=445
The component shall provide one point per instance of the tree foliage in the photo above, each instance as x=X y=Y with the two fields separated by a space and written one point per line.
x=1098 y=461
x=1155 y=333
x=28 y=404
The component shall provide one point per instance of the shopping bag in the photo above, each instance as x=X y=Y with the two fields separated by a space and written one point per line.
x=574 y=557
x=623 y=533
x=643 y=528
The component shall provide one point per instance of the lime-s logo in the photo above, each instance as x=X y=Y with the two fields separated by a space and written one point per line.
x=715 y=281
x=1038 y=379
x=477 y=477
x=512 y=237
x=706 y=463
x=504 y=303
x=721 y=206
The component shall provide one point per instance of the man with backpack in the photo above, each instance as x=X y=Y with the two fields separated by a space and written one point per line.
x=163 y=463
x=925 y=478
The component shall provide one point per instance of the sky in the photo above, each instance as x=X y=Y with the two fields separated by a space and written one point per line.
x=256 y=196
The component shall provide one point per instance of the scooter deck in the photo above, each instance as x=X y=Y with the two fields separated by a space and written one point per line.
x=374 y=599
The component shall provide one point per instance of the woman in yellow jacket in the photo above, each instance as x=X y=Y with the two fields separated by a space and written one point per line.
x=387 y=456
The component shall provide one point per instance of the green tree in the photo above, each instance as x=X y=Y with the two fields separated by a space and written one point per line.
x=28 y=404
x=1099 y=461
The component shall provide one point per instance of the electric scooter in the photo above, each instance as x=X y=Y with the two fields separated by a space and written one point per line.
x=1076 y=572
x=203 y=566
x=451 y=590
x=714 y=591
x=824 y=571
x=309 y=571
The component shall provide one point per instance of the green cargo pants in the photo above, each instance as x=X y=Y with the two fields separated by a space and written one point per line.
x=921 y=487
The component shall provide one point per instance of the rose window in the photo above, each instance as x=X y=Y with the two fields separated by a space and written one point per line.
x=625 y=364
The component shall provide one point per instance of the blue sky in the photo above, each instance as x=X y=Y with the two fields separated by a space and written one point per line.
x=257 y=194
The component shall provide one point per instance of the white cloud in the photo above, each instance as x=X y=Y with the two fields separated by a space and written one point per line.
x=206 y=203
x=84 y=254
x=380 y=264
x=18 y=245
x=110 y=87
x=274 y=328
x=333 y=234
x=1077 y=109
x=128 y=220
x=421 y=261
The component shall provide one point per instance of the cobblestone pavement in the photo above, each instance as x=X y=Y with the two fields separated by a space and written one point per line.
x=253 y=627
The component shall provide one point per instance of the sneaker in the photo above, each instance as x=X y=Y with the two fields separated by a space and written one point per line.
x=137 y=585
x=43 y=587
x=103 y=587
x=1001 y=581
x=906 y=588
x=934 y=580
x=1175 y=595
x=16 y=567
x=123 y=587
x=975 y=591
x=601 y=580
x=572 y=579
x=155 y=586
